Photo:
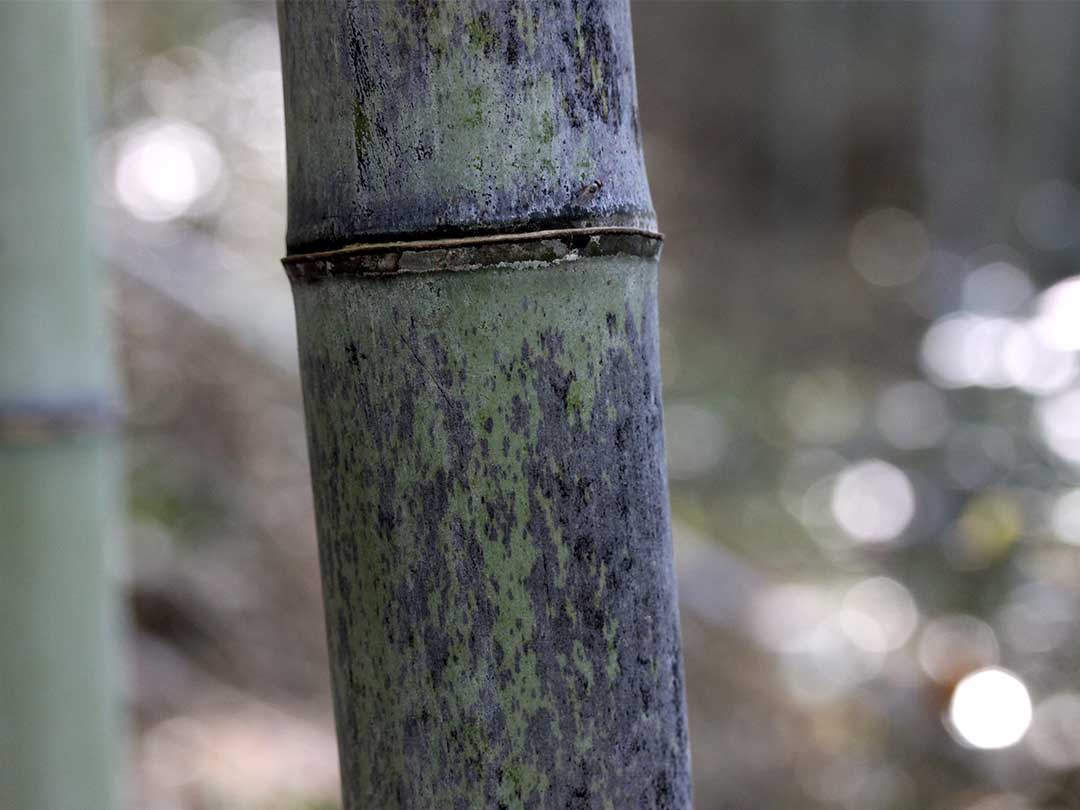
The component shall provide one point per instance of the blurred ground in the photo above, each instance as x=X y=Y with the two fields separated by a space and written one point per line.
x=870 y=336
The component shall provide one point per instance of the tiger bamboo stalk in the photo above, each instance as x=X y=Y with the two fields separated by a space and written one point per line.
x=58 y=725
x=473 y=256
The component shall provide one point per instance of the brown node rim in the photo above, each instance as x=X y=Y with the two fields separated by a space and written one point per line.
x=471 y=252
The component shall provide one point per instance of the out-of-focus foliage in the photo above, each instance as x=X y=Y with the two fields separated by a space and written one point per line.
x=871 y=313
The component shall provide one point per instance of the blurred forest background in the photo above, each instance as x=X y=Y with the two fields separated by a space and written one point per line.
x=870 y=332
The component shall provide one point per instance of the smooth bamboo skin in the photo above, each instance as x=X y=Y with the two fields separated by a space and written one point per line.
x=58 y=725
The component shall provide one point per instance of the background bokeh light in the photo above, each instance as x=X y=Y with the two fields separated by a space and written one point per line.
x=990 y=708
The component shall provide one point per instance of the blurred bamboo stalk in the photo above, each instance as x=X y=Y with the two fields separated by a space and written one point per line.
x=58 y=720
x=473 y=257
x=960 y=155
x=812 y=96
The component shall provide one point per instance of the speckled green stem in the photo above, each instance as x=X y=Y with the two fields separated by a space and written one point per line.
x=484 y=416
x=487 y=457
x=466 y=116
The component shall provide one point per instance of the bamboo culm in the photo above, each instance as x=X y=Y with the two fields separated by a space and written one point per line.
x=59 y=724
x=474 y=264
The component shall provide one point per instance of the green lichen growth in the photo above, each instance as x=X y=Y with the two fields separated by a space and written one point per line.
x=481 y=37
x=596 y=73
x=579 y=400
x=474 y=112
x=547 y=127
